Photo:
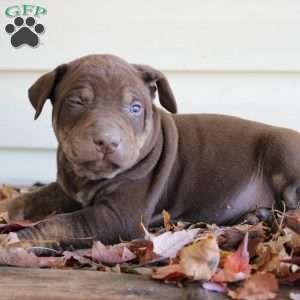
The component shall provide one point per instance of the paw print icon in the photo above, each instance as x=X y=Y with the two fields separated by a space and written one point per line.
x=24 y=32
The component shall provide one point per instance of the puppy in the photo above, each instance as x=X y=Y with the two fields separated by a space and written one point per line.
x=122 y=160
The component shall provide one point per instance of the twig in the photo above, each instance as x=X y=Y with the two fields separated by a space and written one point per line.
x=282 y=217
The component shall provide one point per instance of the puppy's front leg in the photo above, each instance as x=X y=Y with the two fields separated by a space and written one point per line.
x=40 y=203
x=80 y=228
x=111 y=218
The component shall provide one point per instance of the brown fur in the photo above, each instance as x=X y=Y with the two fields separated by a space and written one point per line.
x=199 y=167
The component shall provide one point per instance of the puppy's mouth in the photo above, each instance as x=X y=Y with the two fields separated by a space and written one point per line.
x=96 y=169
x=88 y=163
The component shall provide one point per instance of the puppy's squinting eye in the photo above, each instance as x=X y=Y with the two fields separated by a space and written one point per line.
x=75 y=101
x=135 y=108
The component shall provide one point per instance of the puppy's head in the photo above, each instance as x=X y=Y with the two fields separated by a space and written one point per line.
x=102 y=111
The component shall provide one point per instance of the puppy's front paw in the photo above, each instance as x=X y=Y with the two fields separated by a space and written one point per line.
x=17 y=207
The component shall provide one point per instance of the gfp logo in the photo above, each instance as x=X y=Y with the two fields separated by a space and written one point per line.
x=24 y=29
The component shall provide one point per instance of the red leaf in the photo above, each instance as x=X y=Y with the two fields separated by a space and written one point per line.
x=170 y=273
x=15 y=226
x=143 y=249
x=236 y=265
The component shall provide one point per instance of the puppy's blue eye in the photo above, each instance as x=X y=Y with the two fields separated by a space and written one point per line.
x=135 y=108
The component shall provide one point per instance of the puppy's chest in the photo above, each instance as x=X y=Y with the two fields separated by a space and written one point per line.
x=92 y=193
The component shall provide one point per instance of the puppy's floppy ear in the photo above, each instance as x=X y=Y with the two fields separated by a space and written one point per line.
x=152 y=76
x=43 y=89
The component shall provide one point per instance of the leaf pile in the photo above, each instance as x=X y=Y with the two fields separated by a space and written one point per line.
x=8 y=192
x=243 y=261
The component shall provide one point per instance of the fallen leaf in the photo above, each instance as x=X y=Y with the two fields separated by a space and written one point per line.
x=236 y=266
x=292 y=240
x=260 y=286
x=294 y=296
x=170 y=272
x=215 y=287
x=292 y=220
x=8 y=239
x=169 y=243
x=143 y=250
x=8 y=192
x=72 y=258
x=167 y=220
x=4 y=219
x=229 y=238
x=271 y=256
x=290 y=279
x=223 y=257
x=20 y=257
x=111 y=254
x=14 y=252
x=257 y=234
x=16 y=225
x=200 y=260
x=295 y=260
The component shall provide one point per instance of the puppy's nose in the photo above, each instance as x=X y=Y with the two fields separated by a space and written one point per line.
x=107 y=143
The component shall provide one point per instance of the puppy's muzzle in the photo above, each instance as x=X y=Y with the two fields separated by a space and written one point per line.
x=107 y=142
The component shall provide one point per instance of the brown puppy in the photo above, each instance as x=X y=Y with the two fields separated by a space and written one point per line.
x=122 y=160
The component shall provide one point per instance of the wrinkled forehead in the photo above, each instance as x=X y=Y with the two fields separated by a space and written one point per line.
x=100 y=76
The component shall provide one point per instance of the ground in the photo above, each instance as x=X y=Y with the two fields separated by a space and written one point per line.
x=36 y=284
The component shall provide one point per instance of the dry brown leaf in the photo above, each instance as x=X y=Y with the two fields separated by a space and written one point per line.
x=260 y=286
x=143 y=249
x=14 y=252
x=20 y=257
x=8 y=239
x=8 y=192
x=229 y=238
x=257 y=234
x=292 y=220
x=111 y=254
x=167 y=220
x=81 y=257
x=4 y=218
x=270 y=256
x=293 y=240
x=200 y=260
